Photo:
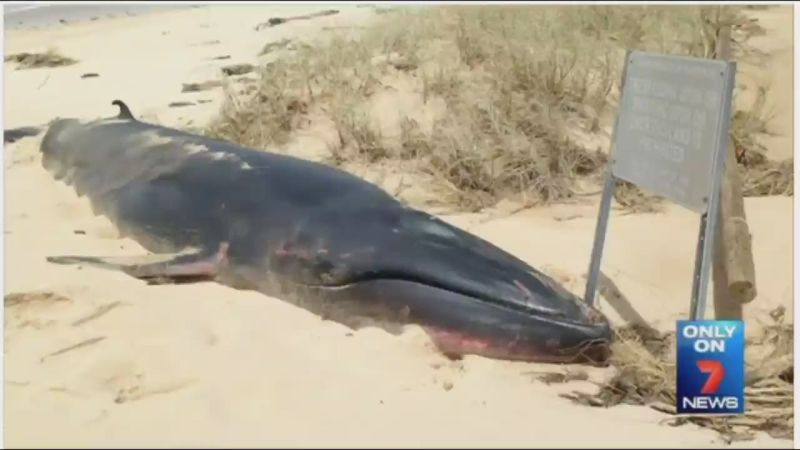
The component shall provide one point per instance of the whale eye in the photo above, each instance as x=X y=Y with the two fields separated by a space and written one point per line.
x=324 y=271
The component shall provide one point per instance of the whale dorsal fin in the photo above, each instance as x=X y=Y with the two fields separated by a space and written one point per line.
x=124 y=111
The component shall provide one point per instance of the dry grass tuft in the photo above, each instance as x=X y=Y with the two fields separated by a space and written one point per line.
x=769 y=178
x=645 y=375
x=24 y=298
x=50 y=58
x=635 y=200
x=267 y=117
x=528 y=93
x=760 y=175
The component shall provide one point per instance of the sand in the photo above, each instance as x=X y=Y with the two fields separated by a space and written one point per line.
x=206 y=365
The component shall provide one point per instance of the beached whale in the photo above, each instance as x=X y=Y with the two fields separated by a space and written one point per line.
x=315 y=235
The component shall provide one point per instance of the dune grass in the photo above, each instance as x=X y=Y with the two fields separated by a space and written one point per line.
x=529 y=96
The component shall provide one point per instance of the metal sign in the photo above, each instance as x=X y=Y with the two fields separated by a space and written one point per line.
x=671 y=138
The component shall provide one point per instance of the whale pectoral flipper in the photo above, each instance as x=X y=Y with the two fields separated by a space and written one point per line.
x=185 y=268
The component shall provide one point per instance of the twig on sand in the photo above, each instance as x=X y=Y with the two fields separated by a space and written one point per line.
x=100 y=311
x=180 y=104
x=201 y=86
x=81 y=344
x=43 y=82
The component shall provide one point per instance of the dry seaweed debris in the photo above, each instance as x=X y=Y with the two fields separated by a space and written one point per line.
x=49 y=58
x=645 y=375
x=24 y=298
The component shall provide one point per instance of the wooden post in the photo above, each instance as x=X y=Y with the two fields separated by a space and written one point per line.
x=733 y=268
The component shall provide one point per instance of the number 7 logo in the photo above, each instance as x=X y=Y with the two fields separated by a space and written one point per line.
x=716 y=372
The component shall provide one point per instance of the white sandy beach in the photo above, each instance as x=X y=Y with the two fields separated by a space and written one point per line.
x=207 y=365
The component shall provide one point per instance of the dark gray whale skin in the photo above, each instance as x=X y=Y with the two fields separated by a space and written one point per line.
x=315 y=235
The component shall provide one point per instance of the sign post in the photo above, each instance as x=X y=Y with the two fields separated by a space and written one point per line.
x=671 y=137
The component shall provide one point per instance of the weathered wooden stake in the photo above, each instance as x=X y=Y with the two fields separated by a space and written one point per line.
x=733 y=268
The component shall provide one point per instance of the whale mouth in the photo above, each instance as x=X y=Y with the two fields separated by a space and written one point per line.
x=461 y=325
x=456 y=344
x=479 y=295
x=518 y=334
